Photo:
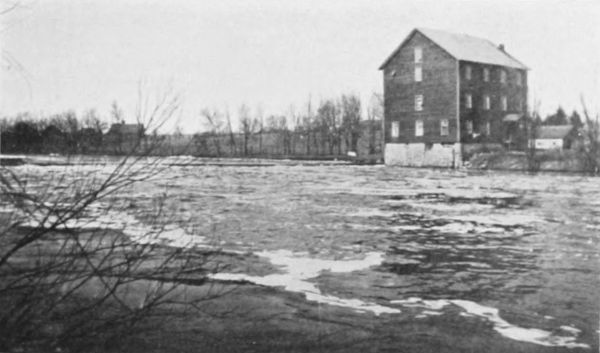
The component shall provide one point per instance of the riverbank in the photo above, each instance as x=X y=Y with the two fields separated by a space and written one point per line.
x=255 y=161
x=543 y=161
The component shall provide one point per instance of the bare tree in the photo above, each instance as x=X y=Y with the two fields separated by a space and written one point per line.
x=374 y=115
x=532 y=125
x=246 y=126
x=304 y=127
x=232 y=144
x=590 y=148
x=258 y=123
x=351 y=117
x=328 y=116
x=91 y=120
x=72 y=278
x=214 y=123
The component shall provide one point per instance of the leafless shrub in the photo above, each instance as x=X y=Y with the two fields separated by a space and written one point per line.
x=590 y=147
x=69 y=277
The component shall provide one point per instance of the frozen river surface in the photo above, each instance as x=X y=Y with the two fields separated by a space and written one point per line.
x=519 y=253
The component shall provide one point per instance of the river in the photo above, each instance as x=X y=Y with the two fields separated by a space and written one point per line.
x=517 y=253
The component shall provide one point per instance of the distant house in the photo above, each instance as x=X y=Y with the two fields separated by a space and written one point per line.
x=444 y=90
x=123 y=138
x=554 y=137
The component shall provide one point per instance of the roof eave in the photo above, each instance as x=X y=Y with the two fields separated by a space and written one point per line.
x=406 y=40
x=391 y=56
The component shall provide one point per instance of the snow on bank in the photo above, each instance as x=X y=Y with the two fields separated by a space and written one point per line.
x=299 y=269
x=531 y=335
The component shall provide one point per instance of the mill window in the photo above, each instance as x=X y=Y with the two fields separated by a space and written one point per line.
x=418 y=102
x=418 y=55
x=418 y=73
x=486 y=102
x=444 y=127
x=395 y=133
x=469 y=100
x=502 y=76
x=419 y=128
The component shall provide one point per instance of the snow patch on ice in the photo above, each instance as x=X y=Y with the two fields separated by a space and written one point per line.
x=464 y=228
x=371 y=212
x=299 y=269
x=472 y=309
x=102 y=217
x=498 y=219
x=571 y=329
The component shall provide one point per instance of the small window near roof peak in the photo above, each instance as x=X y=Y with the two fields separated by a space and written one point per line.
x=418 y=55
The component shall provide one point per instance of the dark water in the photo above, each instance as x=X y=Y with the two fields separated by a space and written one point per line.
x=474 y=241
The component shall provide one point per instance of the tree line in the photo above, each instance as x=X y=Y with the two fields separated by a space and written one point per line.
x=334 y=127
x=560 y=117
x=62 y=133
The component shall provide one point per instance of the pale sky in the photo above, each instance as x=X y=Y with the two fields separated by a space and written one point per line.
x=271 y=54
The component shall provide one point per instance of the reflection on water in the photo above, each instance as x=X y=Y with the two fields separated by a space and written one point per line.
x=518 y=251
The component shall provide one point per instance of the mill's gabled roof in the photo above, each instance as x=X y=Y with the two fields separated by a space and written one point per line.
x=464 y=47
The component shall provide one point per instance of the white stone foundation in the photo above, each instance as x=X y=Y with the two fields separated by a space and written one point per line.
x=423 y=155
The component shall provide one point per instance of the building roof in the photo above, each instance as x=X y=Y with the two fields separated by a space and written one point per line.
x=465 y=47
x=511 y=118
x=553 y=131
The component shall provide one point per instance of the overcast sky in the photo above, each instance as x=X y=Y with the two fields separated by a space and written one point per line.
x=271 y=54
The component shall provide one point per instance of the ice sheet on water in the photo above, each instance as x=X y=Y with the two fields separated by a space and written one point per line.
x=299 y=269
x=465 y=228
x=100 y=216
x=506 y=220
x=371 y=212
x=531 y=335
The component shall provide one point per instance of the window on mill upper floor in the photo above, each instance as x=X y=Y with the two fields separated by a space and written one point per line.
x=486 y=102
x=418 y=55
x=519 y=79
x=502 y=76
x=418 y=64
x=468 y=100
x=486 y=74
x=468 y=72
x=418 y=73
x=418 y=102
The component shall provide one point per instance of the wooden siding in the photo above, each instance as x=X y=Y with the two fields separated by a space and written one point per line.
x=438 y=87
x=496 y=90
